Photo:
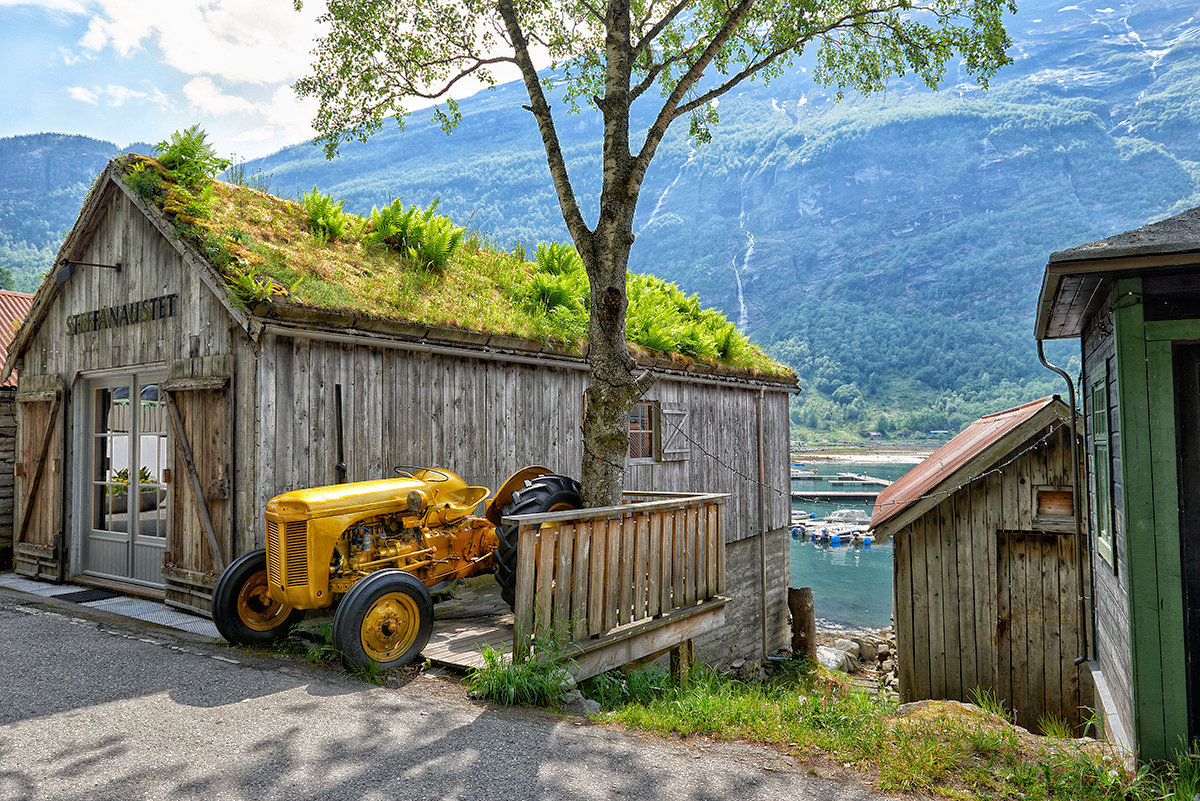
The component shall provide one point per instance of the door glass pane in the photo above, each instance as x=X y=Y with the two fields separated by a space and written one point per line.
x=152 y=461
x=111 y=468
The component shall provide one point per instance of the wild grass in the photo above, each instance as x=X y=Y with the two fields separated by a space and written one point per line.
x=946 y=749
x=539 y=680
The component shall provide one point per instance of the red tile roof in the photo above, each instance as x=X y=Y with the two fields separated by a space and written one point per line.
x=943 y=463
x=13 y=308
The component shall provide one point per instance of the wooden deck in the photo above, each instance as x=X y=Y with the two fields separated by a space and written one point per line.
x=617 y=584
x=474 y=617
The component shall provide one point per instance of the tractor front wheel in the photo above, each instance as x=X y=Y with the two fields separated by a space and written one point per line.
x=547 y=493
x=243 y=610
x=384 y=620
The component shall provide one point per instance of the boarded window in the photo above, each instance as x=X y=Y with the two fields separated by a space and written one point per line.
x=1054 y=508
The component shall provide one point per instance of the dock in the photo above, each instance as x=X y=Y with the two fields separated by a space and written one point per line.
x=834 y=496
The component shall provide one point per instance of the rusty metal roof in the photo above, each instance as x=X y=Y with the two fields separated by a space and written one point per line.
x=931 y=476
x=13 y=308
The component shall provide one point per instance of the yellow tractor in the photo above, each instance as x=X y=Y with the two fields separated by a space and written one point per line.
x=377 y=548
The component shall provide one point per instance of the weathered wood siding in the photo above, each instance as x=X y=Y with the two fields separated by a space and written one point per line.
x=1110 y=600
x=8 y=453
x=986 y=598
x=485 y=418
x=152 y=266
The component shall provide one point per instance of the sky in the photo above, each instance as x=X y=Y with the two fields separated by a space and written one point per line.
x=131 y=71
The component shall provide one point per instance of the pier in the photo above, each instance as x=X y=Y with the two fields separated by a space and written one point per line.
x=834 y=496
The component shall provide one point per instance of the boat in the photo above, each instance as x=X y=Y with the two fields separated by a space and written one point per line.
x=804 y=472
x=856 y=517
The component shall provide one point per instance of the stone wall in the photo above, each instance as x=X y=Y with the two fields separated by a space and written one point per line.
x=8 y=453
x=741 y=636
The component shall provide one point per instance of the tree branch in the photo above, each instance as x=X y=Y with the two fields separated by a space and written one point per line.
x=658 y=129
x=545 y=121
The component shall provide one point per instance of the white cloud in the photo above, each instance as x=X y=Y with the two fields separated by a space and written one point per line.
x=119 y=95
x=83 y=94
x=262 y=43
x=204 y=95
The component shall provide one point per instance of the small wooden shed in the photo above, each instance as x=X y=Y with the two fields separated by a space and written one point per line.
x=13 y=308
x=987 y=580
x=1133 y=302
x=140 y=368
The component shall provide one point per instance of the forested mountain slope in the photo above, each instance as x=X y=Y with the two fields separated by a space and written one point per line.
x=889 y=249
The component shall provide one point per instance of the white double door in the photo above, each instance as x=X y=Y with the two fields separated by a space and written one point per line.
x=126 y=504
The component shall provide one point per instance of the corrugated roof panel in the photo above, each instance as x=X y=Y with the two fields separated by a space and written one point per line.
x=948 y=459
x=13 y=308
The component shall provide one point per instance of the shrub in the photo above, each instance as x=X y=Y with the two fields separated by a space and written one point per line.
x=189 y=157
x=145 y=181
x=557 y=258
x=325 y=217
x=427 y=239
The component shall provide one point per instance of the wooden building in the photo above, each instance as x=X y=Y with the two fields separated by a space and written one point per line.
x=13 y=308
x=986 y=575
x=137 y=360
x=1133 y=301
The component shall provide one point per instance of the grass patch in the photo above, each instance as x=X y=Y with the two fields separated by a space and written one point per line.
x=539 y=680
x=943 y=748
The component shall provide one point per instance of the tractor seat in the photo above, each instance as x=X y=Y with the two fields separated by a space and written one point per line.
x=459 y=503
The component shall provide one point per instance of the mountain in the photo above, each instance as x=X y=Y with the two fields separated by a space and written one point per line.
x=43 y=179
x=890 y=249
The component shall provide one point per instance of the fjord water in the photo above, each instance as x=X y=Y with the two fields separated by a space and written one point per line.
x=852 y=585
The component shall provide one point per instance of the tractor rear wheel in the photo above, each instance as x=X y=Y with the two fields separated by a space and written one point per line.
x=243 y=611
x=548 y=493
x=385 y=620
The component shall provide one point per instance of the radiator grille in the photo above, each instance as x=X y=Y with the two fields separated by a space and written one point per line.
x=295 y=558
x=274 y=547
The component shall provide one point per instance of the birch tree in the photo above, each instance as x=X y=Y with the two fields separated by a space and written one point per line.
x=381 y=58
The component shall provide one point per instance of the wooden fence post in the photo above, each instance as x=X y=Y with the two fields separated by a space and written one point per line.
x=804 y=622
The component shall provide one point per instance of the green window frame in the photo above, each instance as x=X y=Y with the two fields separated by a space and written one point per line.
x=1101 y=446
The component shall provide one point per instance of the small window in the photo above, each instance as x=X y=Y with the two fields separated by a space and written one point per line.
x=643 y=430
x=1098 y=418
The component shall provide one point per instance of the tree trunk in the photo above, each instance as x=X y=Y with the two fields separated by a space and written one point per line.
x=613 y=387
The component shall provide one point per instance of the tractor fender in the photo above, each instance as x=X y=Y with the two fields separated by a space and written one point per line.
x=513 y=483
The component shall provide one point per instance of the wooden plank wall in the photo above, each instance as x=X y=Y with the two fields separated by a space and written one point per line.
x=953 y=584
x=151 y=267
x=484 y=419
x=608 y=567
x=1109 y=587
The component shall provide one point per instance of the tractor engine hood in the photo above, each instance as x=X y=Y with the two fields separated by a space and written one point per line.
x=360 y=497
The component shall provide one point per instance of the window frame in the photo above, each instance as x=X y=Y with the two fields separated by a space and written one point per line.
x=1100 y=451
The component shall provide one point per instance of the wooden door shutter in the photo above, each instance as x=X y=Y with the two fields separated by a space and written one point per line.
x=199 y=542
x=39 y=538
x=675 y=446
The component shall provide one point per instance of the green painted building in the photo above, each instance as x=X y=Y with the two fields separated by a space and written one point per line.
x=1133 y=302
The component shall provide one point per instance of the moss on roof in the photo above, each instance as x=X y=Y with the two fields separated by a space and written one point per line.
x=267 y=249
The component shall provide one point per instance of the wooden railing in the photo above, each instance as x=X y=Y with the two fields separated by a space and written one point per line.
x=588 y=574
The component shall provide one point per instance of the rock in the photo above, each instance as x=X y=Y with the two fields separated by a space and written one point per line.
x=849 y=646
x=736 y=666
x=836 y=659
x=866 y=651
x=883 y=650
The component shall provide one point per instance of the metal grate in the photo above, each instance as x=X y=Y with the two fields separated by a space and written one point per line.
x=295 y=556
x=274 y=547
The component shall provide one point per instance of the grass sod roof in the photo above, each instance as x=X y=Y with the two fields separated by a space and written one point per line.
x=275 y=264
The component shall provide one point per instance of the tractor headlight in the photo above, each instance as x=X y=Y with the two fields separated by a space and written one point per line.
x=416 y=501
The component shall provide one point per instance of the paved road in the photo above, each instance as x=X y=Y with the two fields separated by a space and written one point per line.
x=96 y=707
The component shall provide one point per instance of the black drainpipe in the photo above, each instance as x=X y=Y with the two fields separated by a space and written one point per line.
x=1085 y=540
